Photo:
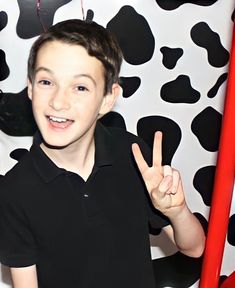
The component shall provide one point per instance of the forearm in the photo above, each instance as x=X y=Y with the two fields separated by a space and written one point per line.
x=25 y=277
x=188 y=233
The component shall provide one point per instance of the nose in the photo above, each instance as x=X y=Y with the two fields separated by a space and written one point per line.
x=59 y=100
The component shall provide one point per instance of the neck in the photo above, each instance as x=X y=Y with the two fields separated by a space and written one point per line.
x=77 y=158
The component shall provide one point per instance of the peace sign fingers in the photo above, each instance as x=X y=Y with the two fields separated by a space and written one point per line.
x=157 y=149
x=141 y=163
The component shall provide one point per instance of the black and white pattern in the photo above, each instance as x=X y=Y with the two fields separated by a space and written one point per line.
x=176 y=56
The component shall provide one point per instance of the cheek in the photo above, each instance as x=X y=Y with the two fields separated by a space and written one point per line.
x=89 y=112
x=37 y=105
x=87 y=104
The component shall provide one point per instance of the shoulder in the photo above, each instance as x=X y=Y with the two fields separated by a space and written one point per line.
x=124 y=137
x=122 y=141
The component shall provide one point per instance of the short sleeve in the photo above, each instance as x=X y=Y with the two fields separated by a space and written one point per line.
x=17 y=245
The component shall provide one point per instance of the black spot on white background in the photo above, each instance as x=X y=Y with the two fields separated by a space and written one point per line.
x=203 y=182
x=231 y=230
x=233 y=15
x=132 y=29
x=4 y=71
x=28 y=24
x=173 y=4
x=89 y=15
x=129 y=85
x=170 y=56
x=17 y=154
x=213 y=91
x=113 y=119
x=16 y=117
x=147 y=126
x=202 y=220
x=3 y=20
x=179 y=91
x=206 y=126
x=204 y=37
x=184 y=271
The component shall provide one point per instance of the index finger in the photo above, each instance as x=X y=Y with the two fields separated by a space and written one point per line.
x=157 y=149
x=139 y=159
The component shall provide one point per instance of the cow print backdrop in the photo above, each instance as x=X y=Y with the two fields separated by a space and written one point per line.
x=173 y=79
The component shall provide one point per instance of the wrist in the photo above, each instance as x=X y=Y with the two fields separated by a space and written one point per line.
x=177 y=213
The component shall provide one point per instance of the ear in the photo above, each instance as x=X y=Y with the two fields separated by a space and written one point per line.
x=30 y=88
x=110 y=99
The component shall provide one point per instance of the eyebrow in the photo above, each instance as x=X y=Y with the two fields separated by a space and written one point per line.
x=75 y=76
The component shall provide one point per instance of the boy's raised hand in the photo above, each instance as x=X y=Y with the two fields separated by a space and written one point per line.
x=163 y=182
x=166 y=192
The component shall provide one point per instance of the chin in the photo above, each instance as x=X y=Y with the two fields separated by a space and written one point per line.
x=55 y=142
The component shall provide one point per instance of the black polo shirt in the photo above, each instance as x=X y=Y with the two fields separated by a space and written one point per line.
x=80 y=234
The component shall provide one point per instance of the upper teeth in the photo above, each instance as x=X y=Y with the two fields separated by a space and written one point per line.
x=57 y=119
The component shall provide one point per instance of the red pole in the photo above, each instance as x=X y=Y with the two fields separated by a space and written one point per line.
x=223 y=187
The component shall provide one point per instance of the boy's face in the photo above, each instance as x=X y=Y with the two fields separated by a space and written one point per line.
x=67 y=94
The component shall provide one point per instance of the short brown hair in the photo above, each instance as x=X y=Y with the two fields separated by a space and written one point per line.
x=97 y=41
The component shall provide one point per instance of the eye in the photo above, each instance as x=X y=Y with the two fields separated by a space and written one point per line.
x=44 y=82
x=81 y=88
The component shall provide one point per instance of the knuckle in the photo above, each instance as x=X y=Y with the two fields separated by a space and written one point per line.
x=176 y=173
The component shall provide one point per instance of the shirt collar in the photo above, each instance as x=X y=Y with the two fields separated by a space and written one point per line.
x=103 y=154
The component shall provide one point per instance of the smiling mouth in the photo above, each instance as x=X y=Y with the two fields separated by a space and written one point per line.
x=58 y=122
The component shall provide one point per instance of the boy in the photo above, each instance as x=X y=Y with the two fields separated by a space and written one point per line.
x=74 y=212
